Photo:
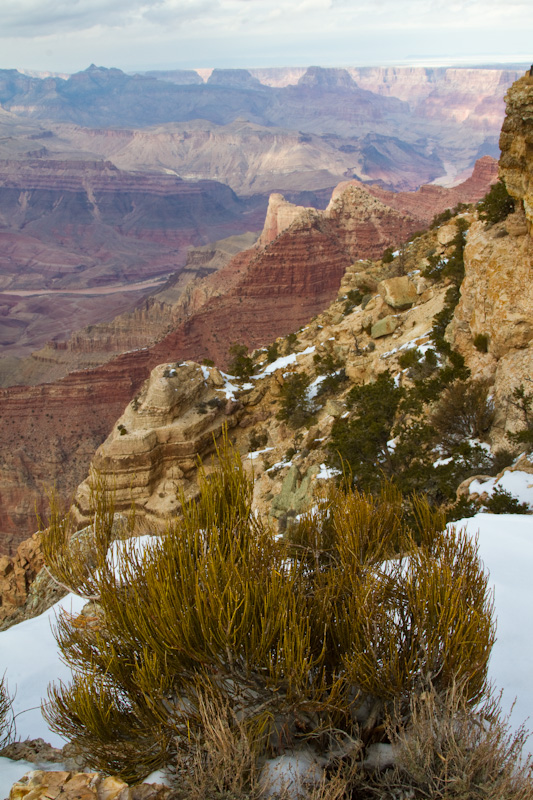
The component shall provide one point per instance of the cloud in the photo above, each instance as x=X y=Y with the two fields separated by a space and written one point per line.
x=29 y=18
x=32 y=18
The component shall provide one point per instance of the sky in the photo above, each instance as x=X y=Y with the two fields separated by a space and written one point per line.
x=68 y=35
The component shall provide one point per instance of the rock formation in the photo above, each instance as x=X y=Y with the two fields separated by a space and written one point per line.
x=516 y=142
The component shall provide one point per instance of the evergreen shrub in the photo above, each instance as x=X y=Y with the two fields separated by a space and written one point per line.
x=358 y=609
x=240 y=364
x=496 y=205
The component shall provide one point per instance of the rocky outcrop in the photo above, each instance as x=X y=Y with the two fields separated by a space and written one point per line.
x=516 y=143
x=16 y=576
x=496 y=293
x=40 y=785
x=153 y=449
x=430 y=200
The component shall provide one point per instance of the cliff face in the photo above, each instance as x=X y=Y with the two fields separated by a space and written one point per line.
x=516 y=143
x=497 y=291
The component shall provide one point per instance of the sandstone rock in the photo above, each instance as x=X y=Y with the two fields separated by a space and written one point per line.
x=280 y=216
x=40 y=785
x=398 y=292
x=16 y=577
x=384 y=327
x=497 y=291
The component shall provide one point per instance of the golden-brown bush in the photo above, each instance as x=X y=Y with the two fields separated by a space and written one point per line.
x=293 y=636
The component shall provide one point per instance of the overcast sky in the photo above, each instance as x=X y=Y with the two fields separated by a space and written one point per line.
x=68 y=35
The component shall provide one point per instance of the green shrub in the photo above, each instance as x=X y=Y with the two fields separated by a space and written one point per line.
x=523 y=402
x=496 y=205
x=440 y=219
x=290 y=342
x=388 y=256
x=295 y=406
x=288 y=640
x=481 y=342
x=465 y=411
x=240 y=363
x=273 y=352
x=503 y=502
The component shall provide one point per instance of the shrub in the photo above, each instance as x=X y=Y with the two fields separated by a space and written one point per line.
x=295 y=406
x=240 y=364
x=481 y=342
x=290 y=342
x=523 y=402
x=285 y=640
x=496 y=205
x=273 y=352
x=446 y=750
x=464 y=411
x=503 y=502
x=7 y=720
x=388 y=256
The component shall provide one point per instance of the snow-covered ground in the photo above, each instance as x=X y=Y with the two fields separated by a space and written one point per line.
x=29 y=656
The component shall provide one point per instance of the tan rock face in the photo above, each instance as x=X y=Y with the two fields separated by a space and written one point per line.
x=497 y=291
x=516 y=143
x=17 y=574
x=280 y=215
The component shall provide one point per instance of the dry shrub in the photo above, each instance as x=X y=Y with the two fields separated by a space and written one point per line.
x=446 y=750
x=219 y=755
x=7 y=721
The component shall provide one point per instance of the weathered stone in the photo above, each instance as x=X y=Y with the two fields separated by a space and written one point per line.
x=516 y=162
x=384 y=327
x=398 y=292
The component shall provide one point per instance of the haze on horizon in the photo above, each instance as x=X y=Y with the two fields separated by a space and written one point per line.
x=68 y=35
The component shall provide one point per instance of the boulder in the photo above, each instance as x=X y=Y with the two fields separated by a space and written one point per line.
x=398 y=292
x=384 y=327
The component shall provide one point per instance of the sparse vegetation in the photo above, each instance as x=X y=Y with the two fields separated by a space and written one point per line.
x=388 y=255
x=523 y=402
x=217 y=636
x=503 y=502
x=273 y=352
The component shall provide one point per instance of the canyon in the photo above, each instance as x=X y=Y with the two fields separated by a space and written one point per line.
x=97 y=190
x=107 y=177
x=50 y=431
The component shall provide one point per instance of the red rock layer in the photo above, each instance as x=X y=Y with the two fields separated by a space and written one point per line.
x=430 y=200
